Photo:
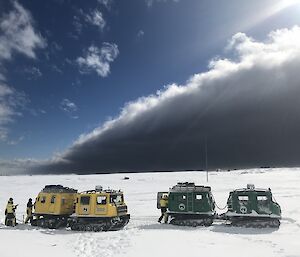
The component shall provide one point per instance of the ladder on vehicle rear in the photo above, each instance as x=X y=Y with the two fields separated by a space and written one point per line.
x=190 y=202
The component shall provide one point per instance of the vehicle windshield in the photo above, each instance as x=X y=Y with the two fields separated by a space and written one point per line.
x=116 y=199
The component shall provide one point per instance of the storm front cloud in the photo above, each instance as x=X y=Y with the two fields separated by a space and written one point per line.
x=245 y=106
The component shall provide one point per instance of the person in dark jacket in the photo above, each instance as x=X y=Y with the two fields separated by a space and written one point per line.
x=29 y=211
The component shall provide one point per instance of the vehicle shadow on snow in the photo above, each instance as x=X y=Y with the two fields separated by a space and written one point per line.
x=290 y=221
x=221 y=228
x=18 y=227
x=26 y=227
x=167 y=226
x=218 y=228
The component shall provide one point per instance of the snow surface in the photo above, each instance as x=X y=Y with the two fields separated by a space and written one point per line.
x=143 y=236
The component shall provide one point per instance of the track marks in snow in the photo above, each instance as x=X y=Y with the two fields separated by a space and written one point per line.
x=290 y=220
x=274 y=247
x=103 y=244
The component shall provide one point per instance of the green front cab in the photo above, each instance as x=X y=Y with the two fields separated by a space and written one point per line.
x=189 y=204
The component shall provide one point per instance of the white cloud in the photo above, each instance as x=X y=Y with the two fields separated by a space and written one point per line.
x=282 y=46
x=96 y=18
x=16 y=141
x=56 y=68
x=33 y=73
x=56 y=47
x=3 y=134
x=17 y=166
x=2 y=77
x=36 y=112
x=18 y=34
x=78 y=26
x=140 y=34
x=106 y=3
x=5 y=90
x=6 y=108
x=69 y=108
x=10 y=101
x=243 y=103
x=98 y=59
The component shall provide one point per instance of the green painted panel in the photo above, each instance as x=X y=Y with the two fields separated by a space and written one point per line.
x=246 y=202
x=190 y=202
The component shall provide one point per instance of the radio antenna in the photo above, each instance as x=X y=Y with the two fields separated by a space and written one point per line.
x=206 y=159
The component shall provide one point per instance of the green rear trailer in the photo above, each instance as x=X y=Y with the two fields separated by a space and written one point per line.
x=253 y=207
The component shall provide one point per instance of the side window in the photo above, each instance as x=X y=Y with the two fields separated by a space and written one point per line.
x=198 y=197
x=53 y=198
x=101 y=199
x=118 y=199
x=63 y=201
x=243 y=198
x=262 y=199
x=43 y=199
x=84 y=200
x=229 y=200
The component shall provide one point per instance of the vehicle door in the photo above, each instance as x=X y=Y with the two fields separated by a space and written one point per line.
x=263 y=204
x=52 y=203
x=182 y=202
x=199 y=199
x=84 y=205
x=244 y=205
x=101 y=205
x=159 y=197
x=190 y=202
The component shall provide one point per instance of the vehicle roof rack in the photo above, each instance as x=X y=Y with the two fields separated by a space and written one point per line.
x=92 y=191
x=58 y=189
x=189 y=186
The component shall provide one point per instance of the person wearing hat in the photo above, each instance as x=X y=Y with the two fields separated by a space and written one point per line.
x=29 y=211
x=163 y=208
x=10 y=213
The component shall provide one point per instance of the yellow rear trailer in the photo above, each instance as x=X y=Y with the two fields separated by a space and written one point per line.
x=53 y=205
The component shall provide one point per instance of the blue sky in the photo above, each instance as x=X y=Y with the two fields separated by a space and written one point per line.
x=84 y=60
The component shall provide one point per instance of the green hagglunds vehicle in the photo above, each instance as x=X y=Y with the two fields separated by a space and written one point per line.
x=189 y=205
x=251 y=207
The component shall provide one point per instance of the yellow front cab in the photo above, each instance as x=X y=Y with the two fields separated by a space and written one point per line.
x=100 y=210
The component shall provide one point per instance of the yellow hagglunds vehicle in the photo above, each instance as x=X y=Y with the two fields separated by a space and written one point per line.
x=94 y=210
x=98 y=210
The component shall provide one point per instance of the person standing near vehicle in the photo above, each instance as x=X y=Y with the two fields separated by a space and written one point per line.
x=163 y=208
x=29 y=211
x=10 y=216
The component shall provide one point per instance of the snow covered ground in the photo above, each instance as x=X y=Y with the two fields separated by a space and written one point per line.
x=143 y=236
